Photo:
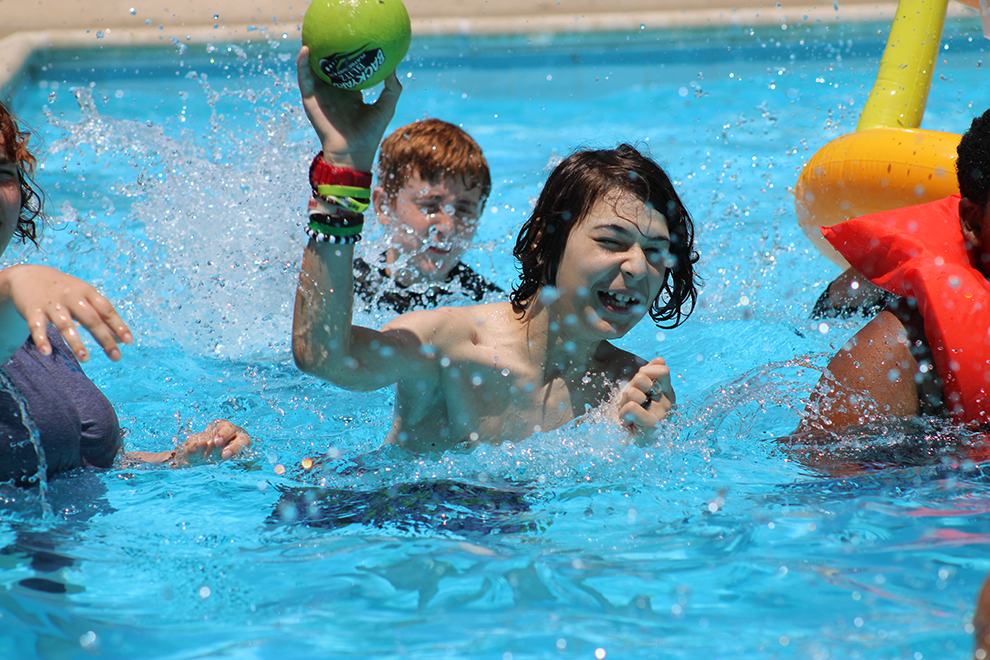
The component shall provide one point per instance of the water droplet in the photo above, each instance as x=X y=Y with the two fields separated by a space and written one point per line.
x=52 y=97
x=88 y=640
x=99 y=34
x=133 y=11
x=548 y=295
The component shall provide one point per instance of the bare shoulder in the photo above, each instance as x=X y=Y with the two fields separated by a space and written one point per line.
x=450 y=325
x=882 y=341
x=871 y=376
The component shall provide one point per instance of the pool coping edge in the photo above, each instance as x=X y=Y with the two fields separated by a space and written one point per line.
x=16 y=49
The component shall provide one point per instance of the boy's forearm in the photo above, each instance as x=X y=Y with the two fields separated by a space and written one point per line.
x=321 y=325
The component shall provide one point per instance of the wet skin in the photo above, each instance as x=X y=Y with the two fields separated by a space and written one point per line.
x=485 y=373
x=432 y=225
x=612 y=268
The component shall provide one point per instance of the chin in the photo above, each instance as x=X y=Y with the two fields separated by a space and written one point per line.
x=429 y=269
x=611 y=330
x=438 y=266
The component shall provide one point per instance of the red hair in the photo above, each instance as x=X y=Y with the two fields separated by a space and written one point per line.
x=14 y=143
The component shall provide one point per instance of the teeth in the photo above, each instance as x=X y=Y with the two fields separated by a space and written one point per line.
x=622 y=300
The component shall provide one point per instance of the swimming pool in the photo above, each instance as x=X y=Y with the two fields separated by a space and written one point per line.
x=176 y=182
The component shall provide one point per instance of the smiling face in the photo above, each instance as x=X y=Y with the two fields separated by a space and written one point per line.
x=612 y=268
x=432 y=225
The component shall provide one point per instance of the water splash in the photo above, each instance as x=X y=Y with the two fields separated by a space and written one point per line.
x=41 y=476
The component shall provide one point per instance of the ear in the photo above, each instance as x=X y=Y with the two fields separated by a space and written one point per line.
x=971 y=220
x=378 y=203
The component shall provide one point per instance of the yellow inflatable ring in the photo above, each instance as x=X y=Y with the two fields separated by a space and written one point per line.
x=869 y=171
x=888 y=162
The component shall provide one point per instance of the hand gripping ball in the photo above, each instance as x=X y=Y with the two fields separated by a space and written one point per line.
x=355 y=44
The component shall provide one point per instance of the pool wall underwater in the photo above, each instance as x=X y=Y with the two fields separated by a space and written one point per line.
x=176 y=181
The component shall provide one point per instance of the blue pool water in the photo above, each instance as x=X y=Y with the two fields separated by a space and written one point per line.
x=176 y=179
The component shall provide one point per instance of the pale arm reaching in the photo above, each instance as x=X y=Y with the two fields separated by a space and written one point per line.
x=32 y=297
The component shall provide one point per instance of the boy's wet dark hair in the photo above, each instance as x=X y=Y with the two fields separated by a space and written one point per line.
x=973 y=165
x=573 y=188
x=14 y=141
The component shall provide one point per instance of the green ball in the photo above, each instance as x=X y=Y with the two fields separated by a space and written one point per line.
x=355 y=44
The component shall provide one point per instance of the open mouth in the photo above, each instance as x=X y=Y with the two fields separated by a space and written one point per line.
x=620 y=303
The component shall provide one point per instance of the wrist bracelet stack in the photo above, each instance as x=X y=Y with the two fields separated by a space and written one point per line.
x=340 y=197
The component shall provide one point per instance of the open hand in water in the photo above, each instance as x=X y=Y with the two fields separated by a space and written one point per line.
x=220 y=440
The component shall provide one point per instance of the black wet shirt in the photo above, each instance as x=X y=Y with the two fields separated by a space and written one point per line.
x=375 y=288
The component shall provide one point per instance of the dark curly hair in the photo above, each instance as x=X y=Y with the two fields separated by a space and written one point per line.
x=14 y=143
x=973 y=165
x=572 y=189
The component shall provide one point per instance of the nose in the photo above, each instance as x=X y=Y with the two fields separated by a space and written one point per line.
x=634 y=264
x=443 y=223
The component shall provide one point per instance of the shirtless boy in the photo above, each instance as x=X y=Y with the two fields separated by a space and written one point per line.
x=608 y=241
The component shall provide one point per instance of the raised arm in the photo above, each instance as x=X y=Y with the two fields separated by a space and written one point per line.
x=32 y=297
x=324 y=341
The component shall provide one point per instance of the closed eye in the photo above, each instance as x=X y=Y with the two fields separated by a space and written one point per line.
x=657 y=253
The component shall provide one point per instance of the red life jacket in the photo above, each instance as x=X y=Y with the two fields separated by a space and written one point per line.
x=919 y=252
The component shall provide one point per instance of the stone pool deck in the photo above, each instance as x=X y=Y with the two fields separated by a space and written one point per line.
x=27 y=26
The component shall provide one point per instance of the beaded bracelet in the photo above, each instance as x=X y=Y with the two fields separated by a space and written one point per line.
x=325 y=228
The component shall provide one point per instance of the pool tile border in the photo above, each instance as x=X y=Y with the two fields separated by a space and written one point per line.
x=16 y=49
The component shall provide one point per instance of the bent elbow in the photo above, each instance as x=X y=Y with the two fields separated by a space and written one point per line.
x=307 y=358
x=323 y=364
